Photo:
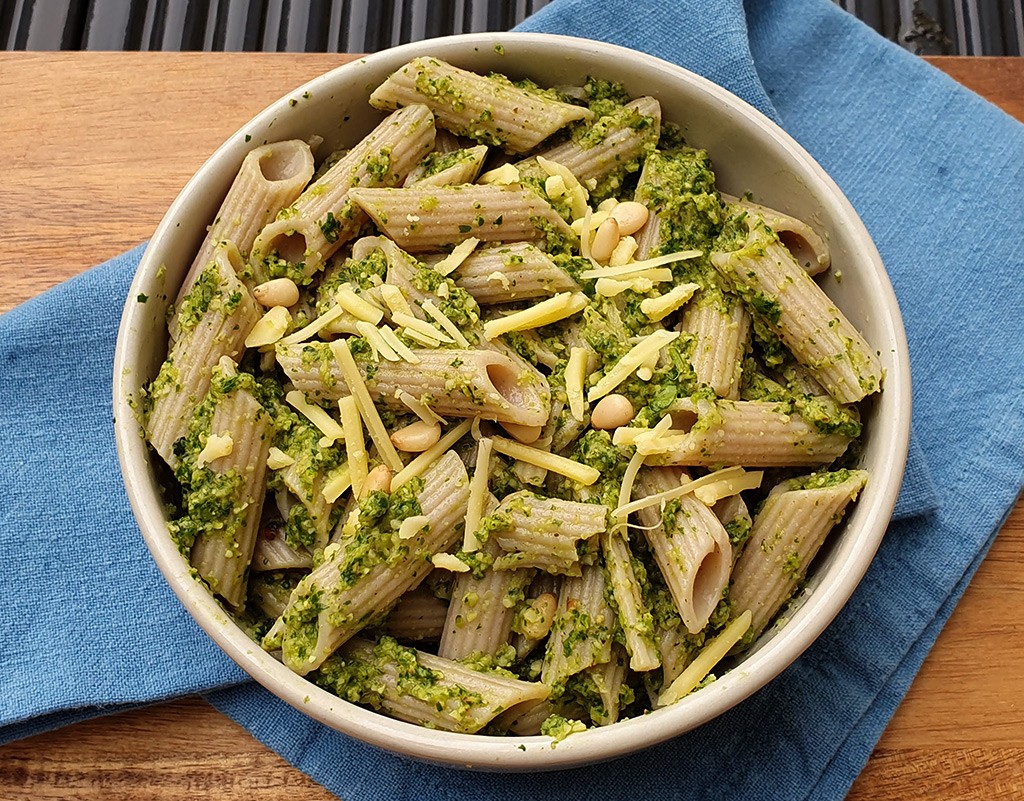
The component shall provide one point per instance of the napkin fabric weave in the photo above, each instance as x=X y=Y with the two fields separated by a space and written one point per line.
x=935 y=172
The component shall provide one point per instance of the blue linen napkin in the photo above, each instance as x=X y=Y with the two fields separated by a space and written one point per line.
x=936 y=174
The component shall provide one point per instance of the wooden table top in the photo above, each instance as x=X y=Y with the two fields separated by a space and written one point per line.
x=98 y=144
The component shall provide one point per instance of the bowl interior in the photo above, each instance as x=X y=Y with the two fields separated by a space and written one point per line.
x=750 y=154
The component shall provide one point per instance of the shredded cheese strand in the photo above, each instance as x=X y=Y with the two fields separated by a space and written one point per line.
x=430 y=455
x=711 y=655
x=477 y=495
x=581 y=473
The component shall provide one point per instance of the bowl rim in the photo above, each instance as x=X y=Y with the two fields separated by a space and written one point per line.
x=517 y=753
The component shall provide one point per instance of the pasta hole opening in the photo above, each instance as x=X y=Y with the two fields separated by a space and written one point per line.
x=712 y=575
x=802 y=250
x=683 y=420
x=505 y=381
x=291 y=247
x=283 y=163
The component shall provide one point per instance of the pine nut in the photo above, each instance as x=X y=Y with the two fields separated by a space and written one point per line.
x=416 y=437
x=277 y=292
x=539 y=616
x=378 y=480
x=524 y=434
x=630 y=216
x=611 y=411
x=605 y=240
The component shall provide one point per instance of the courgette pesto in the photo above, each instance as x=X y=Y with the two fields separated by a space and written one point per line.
x=437 y=161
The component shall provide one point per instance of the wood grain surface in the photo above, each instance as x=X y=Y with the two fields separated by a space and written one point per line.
x=98 y=144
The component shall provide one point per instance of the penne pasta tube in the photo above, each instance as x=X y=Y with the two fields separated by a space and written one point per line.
x=749 y=433
x=634 y=616
x=213 y=322
x=788 y=531
x=233 y=481
x=784 y=298
x=581 y=635
x=542 y=532
x=422 y=688
x=459 y=383
x=512 y=272
x=808 y=248
x=482 y=609
x=689 y=544
x=606 y=682
x=373 y=567
x=418 y=616
x=444 y=168
x=323 y=218
x=602 y=154
x=272 y=551
x=490 y=109
x=271 y=177
x=423 y=218
x=720 y=326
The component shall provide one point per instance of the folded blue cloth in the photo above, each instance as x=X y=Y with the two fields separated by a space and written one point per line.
x=936 y=174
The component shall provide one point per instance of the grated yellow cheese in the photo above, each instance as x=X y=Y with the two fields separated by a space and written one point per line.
x=357 y=387
x=355 y=445
x=378 y=346
x=410 y=323
x=562 y=305
x=575 y=379
x=418 y=465
x=711 y=655
x=727 y=487
x=584 y=474
x=447 y=561
x=636 y=357
x=217 y=446
x=477 y=495
x=320 y=323
x=277 y=459
x=412 y=526
x=358 y=307
x=339 y=481
x=395 y=299
x=442 y=320
x=453 y=260
x=658 y=308
x=269 y=328
x=327 y=425
x=639 y=266
x=397 y=345
x=419 y=408
x=505 y=174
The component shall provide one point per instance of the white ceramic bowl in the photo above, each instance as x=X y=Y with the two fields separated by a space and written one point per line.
x=750 y=153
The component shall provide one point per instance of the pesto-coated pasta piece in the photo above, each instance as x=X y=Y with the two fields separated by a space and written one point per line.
x=584 y=625
x=545 y=533
x=788 y=531
x=634 y=616
x=371 y=568
x=224 y=465
x=748 y=433
x=418 y=616
x=806 y=245
x=721 y=331
x=423 y=218
x=689 y=544
x=482 y=609
x=456 y=382
x=784 y=298
x=271 y=177
x=490 y=109
x=213 y=322
x=323 y=218
x=422 y=688
x=440 y=168
x=512 y=272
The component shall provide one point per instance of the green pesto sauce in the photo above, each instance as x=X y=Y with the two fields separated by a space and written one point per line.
x=212 y=502
x=821 y=480
x=363 y=681
x=437 y=161
x=206 y=295
x=558 y=728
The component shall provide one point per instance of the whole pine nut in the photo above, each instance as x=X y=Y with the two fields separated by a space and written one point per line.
x=277 y=292
x=630 y=216
x=378 y=480
x=416 y=437
x=605 y=240
x=611 y=411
